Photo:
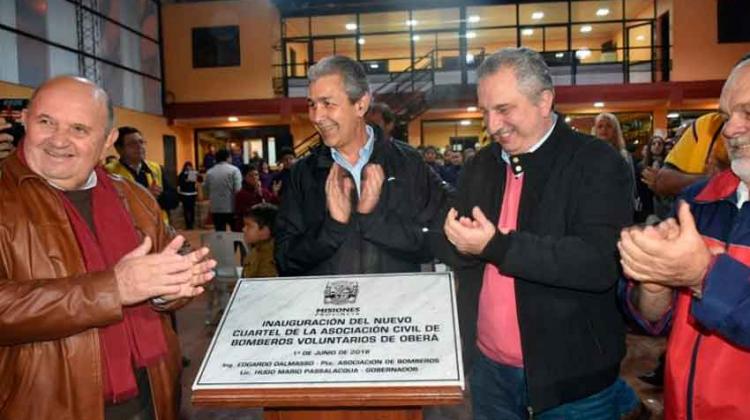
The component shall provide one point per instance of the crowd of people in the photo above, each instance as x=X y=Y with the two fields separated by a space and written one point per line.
x=558 y=239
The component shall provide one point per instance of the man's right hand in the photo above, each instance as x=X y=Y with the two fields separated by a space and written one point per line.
x=6 y=142
x=339 y=188
x=169 y=275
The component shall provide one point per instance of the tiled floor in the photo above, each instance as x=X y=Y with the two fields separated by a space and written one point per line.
x=195 y=336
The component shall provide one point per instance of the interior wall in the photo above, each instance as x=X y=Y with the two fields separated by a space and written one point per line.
x=258 y=21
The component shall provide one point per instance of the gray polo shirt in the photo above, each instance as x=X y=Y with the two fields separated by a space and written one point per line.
x=222 y=183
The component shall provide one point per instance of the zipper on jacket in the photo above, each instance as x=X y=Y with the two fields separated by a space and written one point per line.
x=691 y=379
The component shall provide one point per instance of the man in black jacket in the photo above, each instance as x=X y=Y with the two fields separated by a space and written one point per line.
x=359 y=203
x=533 y=239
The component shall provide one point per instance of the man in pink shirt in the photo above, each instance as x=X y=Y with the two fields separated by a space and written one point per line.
x=532 y=237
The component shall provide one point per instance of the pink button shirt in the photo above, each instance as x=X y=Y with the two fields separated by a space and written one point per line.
x=498 y=336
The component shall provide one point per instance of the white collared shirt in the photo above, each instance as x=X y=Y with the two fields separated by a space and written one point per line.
x=89 y=184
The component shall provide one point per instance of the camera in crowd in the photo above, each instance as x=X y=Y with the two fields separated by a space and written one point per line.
x=10 y=110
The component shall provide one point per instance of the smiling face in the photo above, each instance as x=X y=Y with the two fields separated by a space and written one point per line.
x=66 y=134
x=735 y=105
x=511 y=117
x=339 y=121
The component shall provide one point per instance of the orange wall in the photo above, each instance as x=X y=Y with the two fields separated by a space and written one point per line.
x=259 y=33
x=697 y=55
x=152 y=126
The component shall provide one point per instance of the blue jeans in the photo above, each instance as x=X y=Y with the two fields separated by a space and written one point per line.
x=498 y=392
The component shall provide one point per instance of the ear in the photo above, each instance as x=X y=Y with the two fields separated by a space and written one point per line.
x=546 y=98
x=264 y=233
x=110 y=140
x=363 y=104
x=25 y=117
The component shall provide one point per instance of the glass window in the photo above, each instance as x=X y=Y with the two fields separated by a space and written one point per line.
x=141 y=16
x=346 y=47
x=434 y=19
x=296 y=27
x=383 y=22
x=390 y=51
x=487 y=41
x=541 y=13
x=597 y=42
x=639 y=41
x=533 y=38
x=484 y=16
x=448 y=52
x=596 y=10
x=639 y=9
x=297 y=59
x=332 y=25
x=555 y=38
x=322 y=48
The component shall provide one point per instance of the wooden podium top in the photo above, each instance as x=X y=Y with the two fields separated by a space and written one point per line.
x=329 y=397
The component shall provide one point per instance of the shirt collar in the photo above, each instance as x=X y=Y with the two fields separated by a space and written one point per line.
x=89 y=184
x=742 y=194
x=517 y=165
x=364 y=156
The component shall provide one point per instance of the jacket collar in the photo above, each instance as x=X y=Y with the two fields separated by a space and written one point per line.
x=542 y=157
x=721 y=186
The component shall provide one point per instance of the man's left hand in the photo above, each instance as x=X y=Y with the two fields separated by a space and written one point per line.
x=372 y=184
x=469 y=236
x=668 y=254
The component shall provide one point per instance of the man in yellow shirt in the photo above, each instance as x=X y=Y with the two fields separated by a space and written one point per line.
x=132 y=165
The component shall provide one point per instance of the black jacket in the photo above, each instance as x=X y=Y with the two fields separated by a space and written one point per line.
x=575 y=199
x=390 y=239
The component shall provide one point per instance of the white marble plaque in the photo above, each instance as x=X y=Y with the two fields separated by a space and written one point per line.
x=337 y=331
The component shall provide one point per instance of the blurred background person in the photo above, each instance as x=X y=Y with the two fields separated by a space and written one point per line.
x=186 y=182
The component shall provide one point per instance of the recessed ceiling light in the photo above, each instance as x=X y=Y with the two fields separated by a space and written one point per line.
x=471 y=35
x=673 y=115
x=351 y=26
x=465 y=122
x=602 y=12
x=361 y=41
x=586 y=28
x=412 y=22
x=559 y=55
x=527 y=32
x=640 y=38
x=537 y=15
x=233 y=119
x=474 y=18
x=471 y=109
x=415 y=38
x=583 y=53
x=598 y=104
x=374 y=65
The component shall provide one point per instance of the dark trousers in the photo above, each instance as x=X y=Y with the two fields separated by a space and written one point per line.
x=188 y=210
x=499 y=392
x=222 y=221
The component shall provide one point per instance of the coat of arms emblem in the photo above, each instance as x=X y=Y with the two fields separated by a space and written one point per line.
x=341 y=292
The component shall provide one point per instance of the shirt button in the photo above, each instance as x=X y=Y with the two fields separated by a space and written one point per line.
x=515 y=160
x=518 y=168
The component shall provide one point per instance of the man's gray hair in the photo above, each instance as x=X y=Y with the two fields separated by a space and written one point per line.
x=352 y=73
x=528 y=66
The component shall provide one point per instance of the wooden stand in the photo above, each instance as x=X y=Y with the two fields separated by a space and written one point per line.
x=393 y=403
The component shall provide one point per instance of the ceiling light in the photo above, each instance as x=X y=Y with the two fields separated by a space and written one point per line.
x=583 y=53
x=527 y=32
x=640 y=38
x=673 y=115
x=559 y=55
x=374 y=65
x=471 y=35
x=351 y=26
x=537 y=15
x=465 y=122
x=568 y=119
x=474 y=18
x=233 y=119
x=412 y=22
x=415 y=38
x=586 y=29
x=602 y=12
x=598 y=104
x=469 y=58
x=361 y=41
x=471 y=109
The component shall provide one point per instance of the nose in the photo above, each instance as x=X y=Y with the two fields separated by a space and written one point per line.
x=317 y=113
x=494 y=122
x=738 y=124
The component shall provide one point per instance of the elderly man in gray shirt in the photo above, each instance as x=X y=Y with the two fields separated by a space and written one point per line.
x=223 y=181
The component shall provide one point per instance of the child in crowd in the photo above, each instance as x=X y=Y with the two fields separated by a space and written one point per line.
x=258 y=231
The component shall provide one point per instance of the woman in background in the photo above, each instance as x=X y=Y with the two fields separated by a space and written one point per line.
x=186 y=188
